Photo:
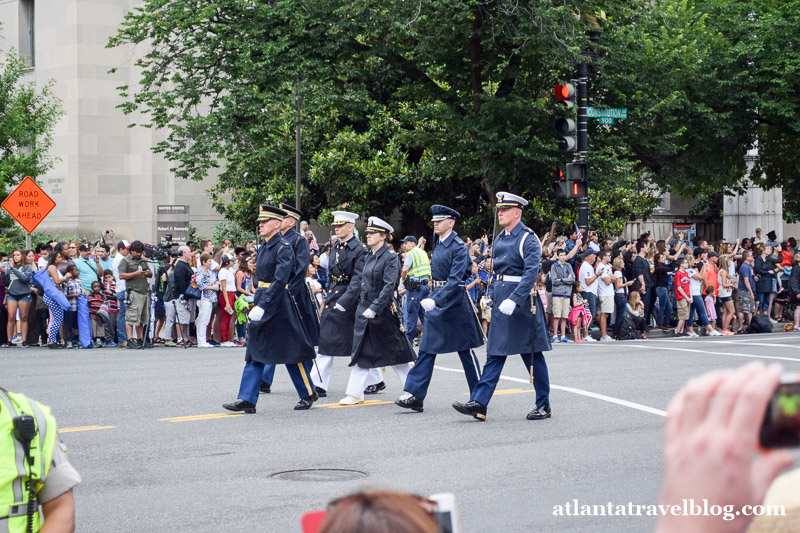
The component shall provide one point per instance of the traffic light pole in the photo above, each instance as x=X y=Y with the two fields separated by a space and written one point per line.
x=583 y=138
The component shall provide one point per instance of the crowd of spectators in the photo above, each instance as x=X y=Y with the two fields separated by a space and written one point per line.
x=592 y=289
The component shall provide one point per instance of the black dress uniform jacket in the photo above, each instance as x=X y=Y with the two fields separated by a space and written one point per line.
x=344 y=287
x=297 y=283
x=279 y=337
x=379 y=341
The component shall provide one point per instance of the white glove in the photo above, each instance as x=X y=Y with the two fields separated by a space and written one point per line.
x=507 y=306
x=368 y=314
x=428 y=304
x=339 y=308
x=255 y=314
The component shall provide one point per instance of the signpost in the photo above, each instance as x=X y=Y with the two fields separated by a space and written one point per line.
x=607 y=116
x=172 y=220
x=28 y=204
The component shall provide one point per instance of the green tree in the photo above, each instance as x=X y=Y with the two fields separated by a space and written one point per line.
x=404 y=103
x=28 y=115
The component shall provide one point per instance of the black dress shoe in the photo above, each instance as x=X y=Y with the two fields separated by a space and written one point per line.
x=375 y=389
x=412 y=402
x=540 y=413
x=240 y=405
x=322 y=393
x=306 y=403
x=471 y=408
x=265 y=388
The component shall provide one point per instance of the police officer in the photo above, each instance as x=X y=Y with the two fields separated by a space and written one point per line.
x=518 y=322
x=378 y=340
x=451 y=322
x=33 y=468
x=276 y=332
x=297 y=284
x=416 y=274
x=344 y=287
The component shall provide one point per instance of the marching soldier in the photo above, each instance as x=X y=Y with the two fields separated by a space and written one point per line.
x=378 y=339
x=451 y=323
x=344 y=287
x=518 y=322
x=276 y=333
x=297 y=284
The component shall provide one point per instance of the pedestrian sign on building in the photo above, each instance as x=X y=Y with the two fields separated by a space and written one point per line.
x=28 y=204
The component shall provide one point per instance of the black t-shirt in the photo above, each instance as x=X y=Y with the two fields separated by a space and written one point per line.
x=547 y=264
x=183 y=276
x=661 y=276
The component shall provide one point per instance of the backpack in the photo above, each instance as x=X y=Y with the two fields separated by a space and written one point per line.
x=760 y=324
x=628 y=330
x=169 y=293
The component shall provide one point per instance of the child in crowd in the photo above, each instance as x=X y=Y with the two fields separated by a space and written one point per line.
x=96 y=300
x=579 y=317
x=541 y=290
x=110 y=292
x=72 y=289
x=314 y=285
x=710 y=301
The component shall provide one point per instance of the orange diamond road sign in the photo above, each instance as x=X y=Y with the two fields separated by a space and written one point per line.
x=28 y=204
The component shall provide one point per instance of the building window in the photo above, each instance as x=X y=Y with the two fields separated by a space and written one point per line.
x=27 y=34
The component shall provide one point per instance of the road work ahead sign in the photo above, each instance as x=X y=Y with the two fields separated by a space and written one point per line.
x=28 y=204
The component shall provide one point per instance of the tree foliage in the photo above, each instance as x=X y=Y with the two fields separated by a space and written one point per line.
x=405 y=104
x=28 y=115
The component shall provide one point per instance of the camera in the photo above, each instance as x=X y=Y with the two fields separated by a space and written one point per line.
x=781 y=425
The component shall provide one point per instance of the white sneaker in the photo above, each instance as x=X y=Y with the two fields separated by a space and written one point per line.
x=797 y=328
x=607 y=338
x=589 y=338
x=714 y=333
x=228 y=344
x=205 y=345
x=693 y=334
x=350 y=400
x=773 y=320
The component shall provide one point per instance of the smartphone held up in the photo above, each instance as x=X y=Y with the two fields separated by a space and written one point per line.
x=781 y=426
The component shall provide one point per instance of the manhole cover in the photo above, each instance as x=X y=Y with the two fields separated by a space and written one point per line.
x=320 y=474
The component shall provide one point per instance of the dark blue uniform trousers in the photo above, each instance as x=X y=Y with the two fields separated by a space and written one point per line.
x=413 y=311
x=269 y=374
x=491 y=375
x=419 y=378
x=254 y=373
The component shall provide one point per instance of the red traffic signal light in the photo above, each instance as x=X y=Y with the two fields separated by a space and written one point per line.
x=565 y=93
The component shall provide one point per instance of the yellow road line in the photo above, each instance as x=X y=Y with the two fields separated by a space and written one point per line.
x=83 y=428
x=362 y=404
x=192 y=418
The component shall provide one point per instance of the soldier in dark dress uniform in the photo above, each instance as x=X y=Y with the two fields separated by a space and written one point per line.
x=344 y=288
x=297 y=284
x=518 y=323
x=276 y=332
x=378 y=339
x=451 y=324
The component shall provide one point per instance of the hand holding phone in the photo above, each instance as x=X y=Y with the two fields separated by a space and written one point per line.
x=781 y=425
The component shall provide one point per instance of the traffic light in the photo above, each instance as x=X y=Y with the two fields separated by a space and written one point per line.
x=576 y=178
x=560 y=184
x=567 y=127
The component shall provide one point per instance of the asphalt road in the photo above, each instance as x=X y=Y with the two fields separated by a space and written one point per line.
x=157 y=453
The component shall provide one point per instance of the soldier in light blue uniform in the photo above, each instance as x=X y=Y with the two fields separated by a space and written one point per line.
x=514 y=329
x=276 y=334
x=451 y=323
x=297 y=284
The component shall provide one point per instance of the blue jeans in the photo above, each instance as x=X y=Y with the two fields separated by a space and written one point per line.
x=414 y=311
x=664 y=313
x=763 y=301
x=620 y=300
x=122 y=337
x=699 y=306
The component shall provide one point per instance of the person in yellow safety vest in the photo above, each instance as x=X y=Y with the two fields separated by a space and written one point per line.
x=33 y=469
x=415 y=274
